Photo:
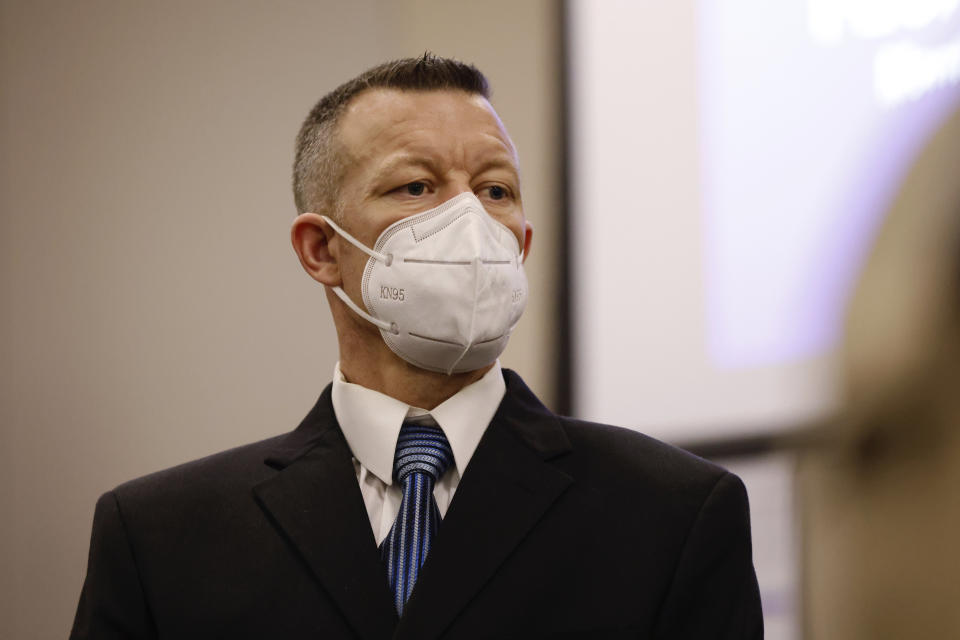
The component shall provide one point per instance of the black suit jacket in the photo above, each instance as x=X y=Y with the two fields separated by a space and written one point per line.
x=558 y=529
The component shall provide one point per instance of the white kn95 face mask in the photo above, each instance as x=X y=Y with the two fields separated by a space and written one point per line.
x=445 y=286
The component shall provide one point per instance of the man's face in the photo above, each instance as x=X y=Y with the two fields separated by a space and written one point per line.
x=409 y=151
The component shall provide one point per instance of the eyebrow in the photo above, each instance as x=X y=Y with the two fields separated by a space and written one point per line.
x=502 y=161
x=403 y=160
x=400 y=161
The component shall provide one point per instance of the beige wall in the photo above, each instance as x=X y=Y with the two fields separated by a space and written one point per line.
x=153 y=311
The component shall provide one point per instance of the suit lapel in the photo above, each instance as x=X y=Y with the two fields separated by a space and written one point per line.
x=316 y=503
x=507 y=487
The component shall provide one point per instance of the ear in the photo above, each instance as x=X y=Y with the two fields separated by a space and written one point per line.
x=315 y=243
x=527 y=239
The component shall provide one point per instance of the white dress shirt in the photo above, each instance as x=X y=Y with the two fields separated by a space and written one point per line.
x=371 y=424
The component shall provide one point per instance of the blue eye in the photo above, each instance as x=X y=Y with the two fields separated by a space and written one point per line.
x=415 y=188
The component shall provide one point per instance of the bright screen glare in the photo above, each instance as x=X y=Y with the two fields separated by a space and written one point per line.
x=730 y=164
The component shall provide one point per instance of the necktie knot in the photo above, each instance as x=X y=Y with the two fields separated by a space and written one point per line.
x=421 y=448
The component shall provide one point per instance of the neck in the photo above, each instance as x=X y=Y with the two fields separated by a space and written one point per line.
x=407 y=383
x=374 y=366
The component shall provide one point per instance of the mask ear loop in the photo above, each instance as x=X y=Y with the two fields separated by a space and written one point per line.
x=387 y=259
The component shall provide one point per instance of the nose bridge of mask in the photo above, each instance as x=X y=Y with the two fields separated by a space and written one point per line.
x=432 y=222
x=426 y=224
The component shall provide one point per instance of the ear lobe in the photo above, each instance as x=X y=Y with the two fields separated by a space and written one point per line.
x=527 y=239
x=313 y=240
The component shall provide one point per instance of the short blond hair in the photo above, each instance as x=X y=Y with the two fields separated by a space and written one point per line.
x=319 y=160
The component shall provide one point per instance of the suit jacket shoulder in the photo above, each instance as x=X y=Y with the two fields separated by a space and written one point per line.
x=634 y=457
x=199 y=481
x=237 y=468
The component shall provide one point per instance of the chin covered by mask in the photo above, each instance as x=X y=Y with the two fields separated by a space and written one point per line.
x=445 y=287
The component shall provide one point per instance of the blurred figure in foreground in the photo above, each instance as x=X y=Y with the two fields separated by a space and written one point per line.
x=880 y=493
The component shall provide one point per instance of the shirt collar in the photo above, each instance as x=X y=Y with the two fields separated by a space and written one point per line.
x=371 y=420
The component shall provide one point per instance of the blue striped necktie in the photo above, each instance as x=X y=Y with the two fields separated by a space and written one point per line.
x=423 y=454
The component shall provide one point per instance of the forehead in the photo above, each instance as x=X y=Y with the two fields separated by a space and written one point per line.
x=453 y=123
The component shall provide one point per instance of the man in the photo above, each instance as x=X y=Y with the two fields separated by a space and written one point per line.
x=411 y=217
